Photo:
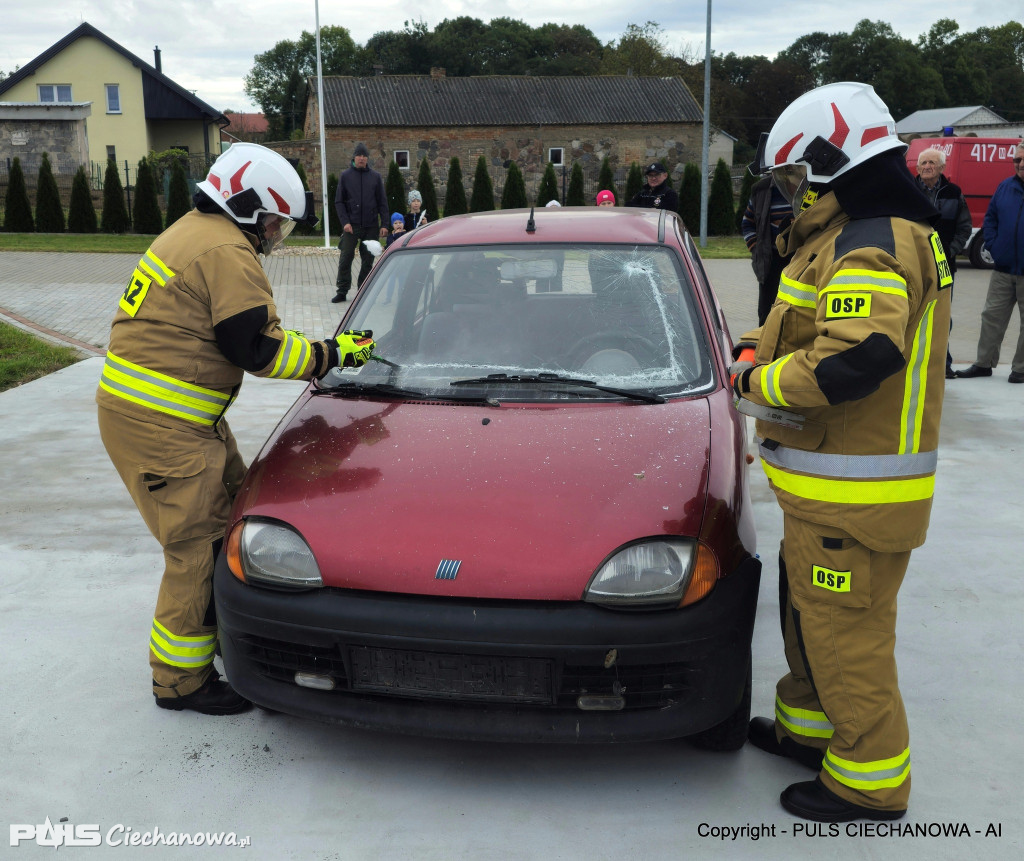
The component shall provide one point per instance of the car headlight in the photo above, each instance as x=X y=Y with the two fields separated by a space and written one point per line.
x=660 y=573
x=263 y=551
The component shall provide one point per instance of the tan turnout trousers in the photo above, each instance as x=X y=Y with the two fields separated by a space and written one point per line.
x=841 y=695
x=183 y=485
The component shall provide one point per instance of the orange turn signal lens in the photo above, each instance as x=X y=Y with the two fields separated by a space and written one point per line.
x=705 y=575
x=234 y=551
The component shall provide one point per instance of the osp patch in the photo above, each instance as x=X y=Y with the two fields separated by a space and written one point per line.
x=834 y=581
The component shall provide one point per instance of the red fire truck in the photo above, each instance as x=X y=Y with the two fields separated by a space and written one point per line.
x=977 y=165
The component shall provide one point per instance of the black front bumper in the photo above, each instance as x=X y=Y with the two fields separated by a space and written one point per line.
x=490 y=670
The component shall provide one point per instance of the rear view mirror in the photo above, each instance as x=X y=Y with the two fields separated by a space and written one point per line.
x=515 y=270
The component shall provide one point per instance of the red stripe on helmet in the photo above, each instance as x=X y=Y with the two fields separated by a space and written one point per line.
x=214 y=181
x=842 y=129
x=874 y=134
x=782 y=156
x=236 y=178
x=282 y=204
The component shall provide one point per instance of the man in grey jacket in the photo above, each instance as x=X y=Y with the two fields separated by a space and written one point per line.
x=363 y=209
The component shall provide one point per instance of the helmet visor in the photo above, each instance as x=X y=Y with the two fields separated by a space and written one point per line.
x=273 y=229
x=789 y=178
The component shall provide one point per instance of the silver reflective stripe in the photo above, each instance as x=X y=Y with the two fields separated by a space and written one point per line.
x=796 y=293
x=850 y=465
x=175 y=659
x=207 y=395
x=868 y=281
x=916 y=383
x=881 y=774
x=161 y=392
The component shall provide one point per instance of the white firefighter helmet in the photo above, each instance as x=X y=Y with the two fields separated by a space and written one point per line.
x=257 y=186
x=825 y=133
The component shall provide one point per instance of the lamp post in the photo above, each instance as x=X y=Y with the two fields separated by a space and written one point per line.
x=320 y=102
x=706 y=143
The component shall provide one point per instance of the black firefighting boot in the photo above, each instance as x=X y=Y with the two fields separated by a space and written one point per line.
x=761 y=733
x=813 y=800
x=216 y=697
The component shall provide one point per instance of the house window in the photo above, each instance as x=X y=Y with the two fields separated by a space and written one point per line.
x=111 y=154
x=555 y=155
x=55 y=92
x=113 y=99
x=402 y=159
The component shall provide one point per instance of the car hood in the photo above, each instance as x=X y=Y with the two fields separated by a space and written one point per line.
x=528 y=500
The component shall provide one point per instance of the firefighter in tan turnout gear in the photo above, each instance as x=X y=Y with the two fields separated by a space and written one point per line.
x=852 y=360
x=198 y=311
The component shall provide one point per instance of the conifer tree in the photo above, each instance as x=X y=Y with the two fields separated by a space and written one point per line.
x=17 y=209
x=575 y=195
x=548 y=186
x=513 y=195
x=425 y=186
x=49 y=209
x=606 y=179
x=332 y=190
x=634 y=183
x=115 y=212
x=689 y=198
x=82 y=212
x=721 y=210
x=178 y=202
x=455 y=194
x=482 y=199
x=748 y=183
x=148 y=219
x=394 y=190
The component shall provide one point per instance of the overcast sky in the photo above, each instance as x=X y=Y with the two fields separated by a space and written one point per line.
x=209 y=46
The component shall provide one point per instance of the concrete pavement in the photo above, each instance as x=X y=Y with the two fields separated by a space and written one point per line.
x=82 y=740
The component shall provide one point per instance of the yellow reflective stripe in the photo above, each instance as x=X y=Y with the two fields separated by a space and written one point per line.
x=156 y=267
x=851 y=492
x=293 y=357
x=880 y=774
x=795 y=293
x=867 y=279
x=803 y=722
x=915 y=385
x=179 y=651
x=770 y=382
x=162 y=393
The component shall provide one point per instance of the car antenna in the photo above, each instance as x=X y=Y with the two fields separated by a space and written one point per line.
x=531 y=225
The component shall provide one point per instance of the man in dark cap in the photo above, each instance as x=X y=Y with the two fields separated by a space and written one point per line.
x=656 y=194
x=362 y=207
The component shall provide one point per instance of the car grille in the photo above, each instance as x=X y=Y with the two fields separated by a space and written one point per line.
x=470 y=677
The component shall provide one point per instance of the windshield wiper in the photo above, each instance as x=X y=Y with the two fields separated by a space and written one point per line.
x=356 y=388
x=526 y=379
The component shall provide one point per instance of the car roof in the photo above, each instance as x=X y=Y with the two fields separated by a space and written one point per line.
x=575 y=224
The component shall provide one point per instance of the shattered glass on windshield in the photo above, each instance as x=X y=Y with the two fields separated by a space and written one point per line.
x=617 y=316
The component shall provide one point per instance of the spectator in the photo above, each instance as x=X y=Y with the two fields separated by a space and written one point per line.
x=656 y=194
x=605 y=198
x=416 y=217
x=768 y=213
x=954 y=225
x=363 y=210
x=1004 y=238
x=397 y=228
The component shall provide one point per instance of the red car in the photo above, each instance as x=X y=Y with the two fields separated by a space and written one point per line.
x=527 y=518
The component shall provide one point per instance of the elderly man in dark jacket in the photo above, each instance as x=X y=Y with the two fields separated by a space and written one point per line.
x=363 y=209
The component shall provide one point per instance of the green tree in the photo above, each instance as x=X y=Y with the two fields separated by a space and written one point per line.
x=513 y=195
x=115 y=211
x=482 y=198
x=455 y=194
x=640 y=51
x=277 y=80
x=304 y=229
x=394 y=190
x=17 y=209
x=178 y=202
x=634 y=182
x=403 y=52
x=561 y=49
x=548 y=189
x=49 y=209
x=425 y=186
x=606 y=180
x=332 y=191
x=82 y=212
x=689 y=198
x=576 y=195
x=459 y=45
x=721 y=210
x=148 y=218
x=748 y=183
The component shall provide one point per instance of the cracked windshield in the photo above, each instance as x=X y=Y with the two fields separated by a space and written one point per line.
x=620 y=317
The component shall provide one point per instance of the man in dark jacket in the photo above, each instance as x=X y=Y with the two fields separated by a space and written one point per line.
x=954 y=224
x=656 y=194
x=768 y=213
x=1004 y=238
x=363 y=209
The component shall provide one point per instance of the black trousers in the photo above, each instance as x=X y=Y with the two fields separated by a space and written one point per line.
x=348 y=252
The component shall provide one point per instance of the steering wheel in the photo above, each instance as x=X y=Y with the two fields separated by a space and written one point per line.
x=639 y=352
